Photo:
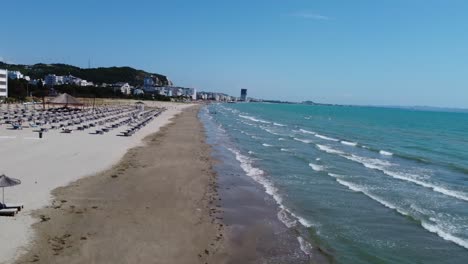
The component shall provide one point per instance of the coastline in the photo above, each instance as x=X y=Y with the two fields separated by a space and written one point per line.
x=146 y=207
x=57 y=160
x=258 y=227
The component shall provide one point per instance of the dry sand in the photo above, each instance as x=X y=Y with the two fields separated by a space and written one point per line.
x=157 y=205
x=54 y=161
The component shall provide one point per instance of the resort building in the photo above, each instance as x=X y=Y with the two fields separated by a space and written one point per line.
x=125 y=88
x=52 y=79
x=15 y=75
x=3 y=83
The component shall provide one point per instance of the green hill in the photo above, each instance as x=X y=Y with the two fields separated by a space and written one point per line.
x=96 y=75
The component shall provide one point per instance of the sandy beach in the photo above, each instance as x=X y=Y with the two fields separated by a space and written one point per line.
x=146 y=209
x=54 y=161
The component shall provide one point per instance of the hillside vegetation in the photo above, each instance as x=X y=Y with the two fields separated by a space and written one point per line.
x=96 y=75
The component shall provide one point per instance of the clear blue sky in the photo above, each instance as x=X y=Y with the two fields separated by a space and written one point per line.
x=381 y=52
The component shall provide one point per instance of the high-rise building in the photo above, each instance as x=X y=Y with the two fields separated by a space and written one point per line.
x=243 y=96
x=3 y=83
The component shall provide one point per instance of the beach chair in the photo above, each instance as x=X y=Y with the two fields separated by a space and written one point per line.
x=16 y=126
x=18 y=207
x=8 y=212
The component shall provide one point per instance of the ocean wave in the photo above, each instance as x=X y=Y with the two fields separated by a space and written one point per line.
x=348 y=143
x=254 y=119
x=316 y=167
x=329 y=149
x=368 y=162
x=285 y=150
x=436 y=188
x=267 y=145
x=281 y=139
x=258 y=175
x=307 y=141
x=326 y=138
x=429 y=227
x=383 y=165
x=385 y=153
x=270 y=131
x=278 y=124
x=307 y=131
x=445 y=235
x=363 y=190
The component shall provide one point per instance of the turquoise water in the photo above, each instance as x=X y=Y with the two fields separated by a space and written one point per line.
x=370 y=185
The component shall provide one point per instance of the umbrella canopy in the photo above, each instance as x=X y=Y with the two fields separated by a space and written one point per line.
x=7 y=182
x=65 y=99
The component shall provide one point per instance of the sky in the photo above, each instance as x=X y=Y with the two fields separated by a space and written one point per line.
x=365 y=52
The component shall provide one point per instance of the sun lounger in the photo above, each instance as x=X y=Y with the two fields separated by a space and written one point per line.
x=14 y=206
x=8 y=212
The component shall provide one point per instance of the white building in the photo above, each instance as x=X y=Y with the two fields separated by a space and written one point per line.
x=15 y=75
x=53 y=79
x=3 y=83
x=125 y=88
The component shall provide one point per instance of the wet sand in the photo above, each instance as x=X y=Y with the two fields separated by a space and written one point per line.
x=159 y=204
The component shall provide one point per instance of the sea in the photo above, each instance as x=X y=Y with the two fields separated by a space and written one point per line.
x=363 y=184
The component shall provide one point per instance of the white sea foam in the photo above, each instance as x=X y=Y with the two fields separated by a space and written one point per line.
x=317 y=159
x=348 y=143
x=383 y=165
x=270 y=131
x=357 y=188
x=368 y=162
x=326 y=138
x=307 y=131
x=286 y=219
x=251 y=152
x=278 y=124
x=413 y=178
x=385 y=153
x=258 y=175
x=306 y=247
x=329 y=149
x=445 y=235
x=267 y=145
x=316 y=167
x=307 y=141
x=285 y=150
x=281 y=139
x=254 y=119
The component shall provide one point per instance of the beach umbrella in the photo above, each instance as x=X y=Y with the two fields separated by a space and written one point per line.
x=7 y=182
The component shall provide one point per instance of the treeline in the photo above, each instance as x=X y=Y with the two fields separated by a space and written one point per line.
x=21 y=89
x=99 y=75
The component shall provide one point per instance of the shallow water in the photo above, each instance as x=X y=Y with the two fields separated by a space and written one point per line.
x=370 y=185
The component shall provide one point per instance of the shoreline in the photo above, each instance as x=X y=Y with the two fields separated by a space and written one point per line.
x=57 y=160
x=147 y=206
x=259 y=228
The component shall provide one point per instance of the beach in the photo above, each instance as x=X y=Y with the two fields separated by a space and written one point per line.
x=158 y=203
x=54 y=161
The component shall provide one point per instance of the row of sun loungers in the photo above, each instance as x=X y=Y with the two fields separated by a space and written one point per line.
x=103 y=119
